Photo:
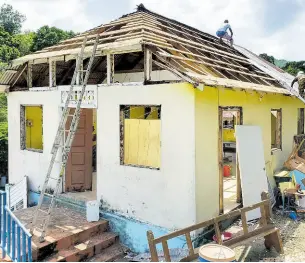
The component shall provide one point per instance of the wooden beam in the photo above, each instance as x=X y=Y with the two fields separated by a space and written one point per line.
x=147 y=64
x=70 y=68
x=52 y=73
x=30 y=75
x=19 y=75
x=220 y=159
x=110 y=68
x=209 y=64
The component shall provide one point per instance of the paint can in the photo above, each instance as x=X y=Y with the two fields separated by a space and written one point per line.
x=216 y=253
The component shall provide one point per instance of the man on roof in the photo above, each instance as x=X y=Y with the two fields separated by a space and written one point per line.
x=300 y=78
x=222 y=32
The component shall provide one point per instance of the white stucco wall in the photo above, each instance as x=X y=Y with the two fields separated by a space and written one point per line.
x=164 y=197
x=25 y=162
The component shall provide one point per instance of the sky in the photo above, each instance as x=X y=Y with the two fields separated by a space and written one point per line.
x=276 y=27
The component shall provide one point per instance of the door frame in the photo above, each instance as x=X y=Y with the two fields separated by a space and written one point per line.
x=239 y=121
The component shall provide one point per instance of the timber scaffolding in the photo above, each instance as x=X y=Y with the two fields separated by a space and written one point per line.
x=143 y=41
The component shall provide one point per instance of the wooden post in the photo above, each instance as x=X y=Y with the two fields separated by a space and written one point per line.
x=110 y=68
x=147 y=64
x=152 y=247
x=189 y=243
x=217 y=232
x=29 y=75
x=238 y=181
x=267 y=207
x=52 y=73
x=166 y=251
x=220 y=159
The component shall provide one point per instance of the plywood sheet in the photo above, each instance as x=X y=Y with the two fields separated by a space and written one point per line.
x=250 y=149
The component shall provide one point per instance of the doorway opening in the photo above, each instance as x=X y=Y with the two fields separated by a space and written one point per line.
x=229 y=176
x=80 y=173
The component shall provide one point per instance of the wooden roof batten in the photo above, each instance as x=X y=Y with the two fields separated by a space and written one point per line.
x=177 y=47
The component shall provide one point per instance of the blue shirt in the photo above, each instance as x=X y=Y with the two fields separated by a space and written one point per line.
x=224 y=27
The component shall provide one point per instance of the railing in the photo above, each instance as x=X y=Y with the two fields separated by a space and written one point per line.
x=89 y=98
x=16 y=241
x=266 y=228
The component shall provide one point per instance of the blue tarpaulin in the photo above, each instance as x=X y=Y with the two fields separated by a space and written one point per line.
x=299 y=176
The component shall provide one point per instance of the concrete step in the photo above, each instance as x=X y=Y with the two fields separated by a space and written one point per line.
x=116 y=252
x=56 y=242
x=85 y=250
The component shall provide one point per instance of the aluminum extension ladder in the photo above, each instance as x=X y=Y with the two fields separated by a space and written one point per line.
x=58 y=143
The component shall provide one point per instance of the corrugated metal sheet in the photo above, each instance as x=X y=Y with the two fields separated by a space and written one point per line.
x=8 y=74
x=282 y=76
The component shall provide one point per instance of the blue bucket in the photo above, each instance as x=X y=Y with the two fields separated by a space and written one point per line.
x=216 y=253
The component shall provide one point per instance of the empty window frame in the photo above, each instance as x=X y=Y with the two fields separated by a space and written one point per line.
x=276 y=129
x=140 y=129
x=31 y=128
x=300 y=121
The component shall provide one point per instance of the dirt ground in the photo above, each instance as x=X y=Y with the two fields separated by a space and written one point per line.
x=293 y=237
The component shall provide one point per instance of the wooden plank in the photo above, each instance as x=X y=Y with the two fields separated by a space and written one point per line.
x=184 y=231
x=217 y=232
x=176 y=72
x=267 y=206
x=220 y=159
x=244 y=222
x=238 y=181
x=19 y=75
x=300 y=121
x=169 y=40
x=261 y=232
x=166 y=251
x=110 y=68
x=29 y=75
x=152 y=246
x=52 y=73
x=189 y=243
x=212 y=65
x=147 y=64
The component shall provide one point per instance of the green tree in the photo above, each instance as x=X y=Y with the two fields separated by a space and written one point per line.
x=268 y=58
x=24 y=42
x=10 y=19
x=48 y=36
x=293 y=67
x=8 y=46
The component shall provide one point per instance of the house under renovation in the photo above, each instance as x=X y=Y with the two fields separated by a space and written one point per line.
x=157 y=121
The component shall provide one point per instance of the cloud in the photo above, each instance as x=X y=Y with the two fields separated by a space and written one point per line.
x=275 y=27
x=68 y=14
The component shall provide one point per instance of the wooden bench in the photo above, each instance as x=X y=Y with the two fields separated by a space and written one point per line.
x=265 y=229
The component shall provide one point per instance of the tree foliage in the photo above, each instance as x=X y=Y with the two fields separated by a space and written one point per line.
x=24 y=42
x=10 y=19
x=48 y=36
x=268 y=58
x=294 y=67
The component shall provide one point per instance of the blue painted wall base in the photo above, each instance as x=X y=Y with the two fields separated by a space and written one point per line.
x=132 y=232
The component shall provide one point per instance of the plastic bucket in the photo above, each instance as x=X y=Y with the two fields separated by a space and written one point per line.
x=226 y=170
x=216 y=253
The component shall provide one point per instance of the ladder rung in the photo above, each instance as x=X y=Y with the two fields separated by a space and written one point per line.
x=48 y=195
x=83 y=70
x=53 y=178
